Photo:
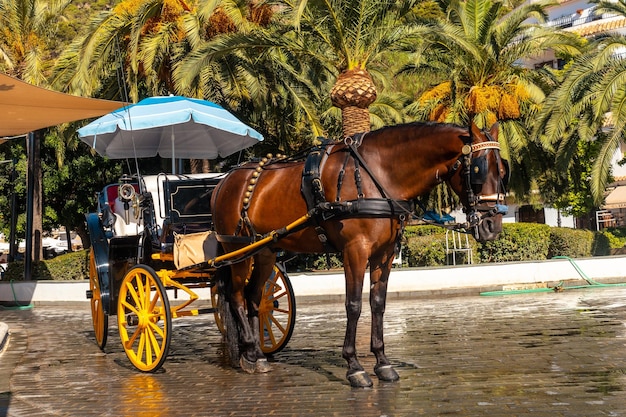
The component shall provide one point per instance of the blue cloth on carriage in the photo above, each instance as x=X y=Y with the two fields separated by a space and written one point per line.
x=440 y=218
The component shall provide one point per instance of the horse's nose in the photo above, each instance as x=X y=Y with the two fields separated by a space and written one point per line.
x=489 y=228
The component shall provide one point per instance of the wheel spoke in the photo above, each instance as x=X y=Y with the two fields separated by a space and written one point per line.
x=149 y=338
x=129 y=307
x=133 y=293
x=131 y=340
x=140 y=347
x=153 y=343
x=156 y=329
x=276 y=323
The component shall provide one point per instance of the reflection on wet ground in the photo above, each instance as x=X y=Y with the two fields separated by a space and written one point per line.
x=543 y=354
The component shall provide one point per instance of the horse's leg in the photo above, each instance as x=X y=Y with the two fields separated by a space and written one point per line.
x=379 y=277
x=240 y=273
x=263 y=266
x=354 y=268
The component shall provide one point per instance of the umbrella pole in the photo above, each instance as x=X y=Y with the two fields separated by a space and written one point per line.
x=173 y=156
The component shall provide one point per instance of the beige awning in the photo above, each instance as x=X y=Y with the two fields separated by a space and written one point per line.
x=25 y=108
x=616 y=199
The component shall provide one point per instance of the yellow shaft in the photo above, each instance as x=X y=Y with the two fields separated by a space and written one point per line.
x=259 y=243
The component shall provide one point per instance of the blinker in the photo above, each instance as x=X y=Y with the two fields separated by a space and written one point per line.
x=478 y=170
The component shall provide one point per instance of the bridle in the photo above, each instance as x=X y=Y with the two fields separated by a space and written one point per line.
x=474 y=173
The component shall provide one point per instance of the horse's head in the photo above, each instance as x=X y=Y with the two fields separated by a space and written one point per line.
x=480 y=180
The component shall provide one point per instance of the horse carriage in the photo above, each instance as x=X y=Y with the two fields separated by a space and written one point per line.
x=150 y=238
x=351 y=197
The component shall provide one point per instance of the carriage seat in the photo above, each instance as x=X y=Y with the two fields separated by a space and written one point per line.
x=187 y=207
x=188 y=221
x=110 y=201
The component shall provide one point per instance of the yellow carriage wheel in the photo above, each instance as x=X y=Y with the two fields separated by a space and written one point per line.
x=98 y=317
x=144 y=318
x=216 y=302
x=277 y=312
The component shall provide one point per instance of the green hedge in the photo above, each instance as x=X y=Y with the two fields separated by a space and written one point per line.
x=518 y=242
x=425 y=245
x=422 y=246
x=67 y=267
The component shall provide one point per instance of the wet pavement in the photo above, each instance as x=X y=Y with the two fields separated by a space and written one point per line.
x=541 y=354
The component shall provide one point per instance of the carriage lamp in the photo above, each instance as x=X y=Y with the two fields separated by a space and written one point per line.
x=126 y=194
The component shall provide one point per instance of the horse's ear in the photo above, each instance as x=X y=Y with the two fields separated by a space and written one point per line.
x=494 y=131
x=475 y=131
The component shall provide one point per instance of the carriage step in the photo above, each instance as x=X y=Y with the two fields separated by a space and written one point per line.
x=209 y=310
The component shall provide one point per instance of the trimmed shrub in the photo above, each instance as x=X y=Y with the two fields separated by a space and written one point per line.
x=425 y=250
x=575 y=243
x=602 y=244
x=517 y=242
x=67 y=267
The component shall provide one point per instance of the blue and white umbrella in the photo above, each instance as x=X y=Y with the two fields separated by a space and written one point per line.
x=172 y=127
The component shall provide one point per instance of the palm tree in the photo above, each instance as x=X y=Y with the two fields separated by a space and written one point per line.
x=315 y=47
x=351 y=38
x=27 y=28
x=143 y=40
x=472 y=60
x=135 y=38
x=589 y=104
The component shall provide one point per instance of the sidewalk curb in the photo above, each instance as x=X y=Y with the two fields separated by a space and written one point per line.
x=403 y=282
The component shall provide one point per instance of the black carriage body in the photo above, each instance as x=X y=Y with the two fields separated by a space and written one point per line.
x=176 y=204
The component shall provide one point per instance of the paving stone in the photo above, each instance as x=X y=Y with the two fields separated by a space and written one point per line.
x=543 y=354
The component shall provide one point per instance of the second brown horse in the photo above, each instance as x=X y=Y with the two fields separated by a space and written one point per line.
x=393 y=165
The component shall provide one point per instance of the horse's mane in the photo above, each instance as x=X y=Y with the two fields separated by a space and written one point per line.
x=429 y=124
x=415 y=125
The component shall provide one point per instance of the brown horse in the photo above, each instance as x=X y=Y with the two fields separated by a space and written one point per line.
x=359 y=195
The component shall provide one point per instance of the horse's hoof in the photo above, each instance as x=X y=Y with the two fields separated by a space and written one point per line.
x=386 y=373
x=359 y=379
x=246 y=365
x=262 y=366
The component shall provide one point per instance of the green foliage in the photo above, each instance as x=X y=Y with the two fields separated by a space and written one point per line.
x=314 y=262
x=518 y=242
x=618 y=233
x=425 y=230
x=425 y=245
x=426 y=250
x=601 y=244
x=570 y=242
x=69 y=267
x=71 y=177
